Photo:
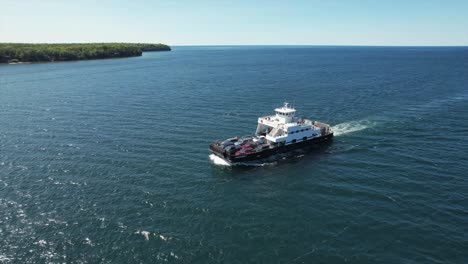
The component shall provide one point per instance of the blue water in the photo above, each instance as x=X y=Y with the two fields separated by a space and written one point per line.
x=107 y=161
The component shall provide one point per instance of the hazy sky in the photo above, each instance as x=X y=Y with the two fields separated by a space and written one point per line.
x=198 y=22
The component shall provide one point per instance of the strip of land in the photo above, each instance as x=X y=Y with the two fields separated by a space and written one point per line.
x=22 y=52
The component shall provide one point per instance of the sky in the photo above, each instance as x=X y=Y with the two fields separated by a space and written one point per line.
x=238 y=22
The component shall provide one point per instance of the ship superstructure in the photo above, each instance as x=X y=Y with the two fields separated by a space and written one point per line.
x=284 y=127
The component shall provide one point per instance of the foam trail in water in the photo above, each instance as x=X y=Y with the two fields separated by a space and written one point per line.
x=439 y=102
x=218 y=161
x=221 y=162
x=350 y=127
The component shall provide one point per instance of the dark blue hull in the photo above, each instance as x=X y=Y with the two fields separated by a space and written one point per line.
x=231 y=158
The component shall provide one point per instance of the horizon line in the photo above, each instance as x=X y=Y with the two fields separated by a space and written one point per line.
x=317 y=45
x=230 y=45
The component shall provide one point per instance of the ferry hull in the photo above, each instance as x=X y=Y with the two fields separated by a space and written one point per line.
x=217 y=150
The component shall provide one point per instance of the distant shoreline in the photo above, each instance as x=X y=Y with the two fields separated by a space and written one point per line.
x=22 y=53
x=65 y=61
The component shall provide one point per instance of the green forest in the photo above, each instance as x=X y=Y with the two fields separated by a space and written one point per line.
x=19 y=52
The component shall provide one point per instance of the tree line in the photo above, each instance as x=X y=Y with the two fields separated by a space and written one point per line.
x=20 y=52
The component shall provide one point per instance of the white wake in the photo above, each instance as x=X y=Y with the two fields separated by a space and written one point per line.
x=218 y=161
x=221 y=162
x=350 y=127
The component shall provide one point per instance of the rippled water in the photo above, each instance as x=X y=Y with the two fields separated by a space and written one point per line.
x=107 y=161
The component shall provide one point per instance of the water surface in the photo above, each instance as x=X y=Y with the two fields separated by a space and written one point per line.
x=107 y=160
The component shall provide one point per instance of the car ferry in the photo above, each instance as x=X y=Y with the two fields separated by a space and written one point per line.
x=278 y=133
